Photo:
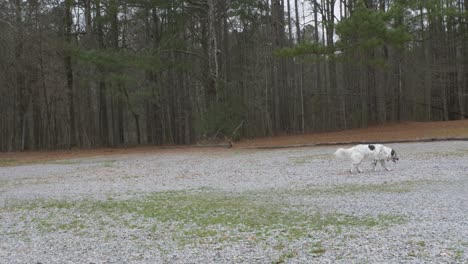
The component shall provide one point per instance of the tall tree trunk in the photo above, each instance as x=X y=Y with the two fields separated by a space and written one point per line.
x=332 y=91
x=298 y=27
x=289 y=21
x=213 y=47
x=103 y=116
x=277 y=35
x=21 y=97
x=301 y=66
x=69 y=4
x=119 y=130
x=428 y=69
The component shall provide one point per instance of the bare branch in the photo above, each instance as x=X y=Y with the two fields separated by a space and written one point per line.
x=7 y=23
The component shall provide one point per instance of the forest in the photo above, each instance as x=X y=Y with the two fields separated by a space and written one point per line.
x=109 y=73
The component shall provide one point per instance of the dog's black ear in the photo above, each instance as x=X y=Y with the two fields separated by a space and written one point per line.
x=393 y=153
x=371 y=147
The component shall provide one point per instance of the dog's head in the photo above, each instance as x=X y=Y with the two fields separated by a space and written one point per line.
x=393 y=156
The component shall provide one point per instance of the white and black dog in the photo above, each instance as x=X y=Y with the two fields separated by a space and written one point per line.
x=375 y=152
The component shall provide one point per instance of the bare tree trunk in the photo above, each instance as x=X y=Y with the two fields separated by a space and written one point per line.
x=364 y=97
x=21 y=101
x=289 y=21
x=277 y=28
x=213 y=46
x=69 y=72
x=301 y=67
x=298 y=27
x=461 y=78
x=103 y=116
x=48 y=120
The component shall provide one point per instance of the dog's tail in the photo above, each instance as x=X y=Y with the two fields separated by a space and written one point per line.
x=341 y=153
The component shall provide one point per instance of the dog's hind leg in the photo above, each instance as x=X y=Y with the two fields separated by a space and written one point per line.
x=357 y=159
x=382 y=162
x=356 y=165
x=359 y=170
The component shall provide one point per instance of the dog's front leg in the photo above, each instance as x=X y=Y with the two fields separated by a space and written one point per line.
x=382 y=162
x=374 y=165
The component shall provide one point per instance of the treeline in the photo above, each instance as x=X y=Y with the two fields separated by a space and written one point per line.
x=87 y=73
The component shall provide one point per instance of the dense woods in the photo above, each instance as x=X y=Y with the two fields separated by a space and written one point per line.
x=87 y=73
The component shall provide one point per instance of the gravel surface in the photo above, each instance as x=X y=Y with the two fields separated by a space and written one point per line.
x=238 y=206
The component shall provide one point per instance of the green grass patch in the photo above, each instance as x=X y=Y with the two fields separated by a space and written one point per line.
x=14 y=162
x=52 y=223
x=317 y=249
x=435 y=154
x=24 y=181
x=392 y=187
x=421 y=243
x=195 y=216
x=305 y=159
x=285 y=256
x=17 y=162
x=457 y=253
x=108 y=163
x=400 y=187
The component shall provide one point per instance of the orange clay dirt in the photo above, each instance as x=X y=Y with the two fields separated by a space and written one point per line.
x=388 y=132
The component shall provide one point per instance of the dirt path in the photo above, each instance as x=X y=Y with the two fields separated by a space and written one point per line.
x=382 y=133
x=389 y=132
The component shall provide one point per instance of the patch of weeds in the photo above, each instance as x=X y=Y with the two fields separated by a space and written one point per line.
x=50 y=204
x=3 y=183
x=129 y=224
x=317 y=249
x=200 y=233
x=9 y=162
x=109 y=237
x=394 y=187
x=402 y=187
x=107 y=163
x=458 y=253
x=190 y=216
x=285 y=256
x=279 y=247
x=418 y=249
x=421 y=243
x=43 y=224
x=129 y=177
x=52 y=223
x=27 y=181
x=305 y=159
x=455 y=153
x=15 y=162
x=63 y=162
x=75 y=224
x=343 y=220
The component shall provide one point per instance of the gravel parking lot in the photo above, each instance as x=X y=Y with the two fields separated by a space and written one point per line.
x=295 y=205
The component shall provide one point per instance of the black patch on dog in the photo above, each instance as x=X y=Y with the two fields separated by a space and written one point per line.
x=393 y=153
x=371 y=147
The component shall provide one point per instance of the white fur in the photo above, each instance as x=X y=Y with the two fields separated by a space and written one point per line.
x=360 y=153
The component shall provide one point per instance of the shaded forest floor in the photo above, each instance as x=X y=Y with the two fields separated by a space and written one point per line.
x=381 y=133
